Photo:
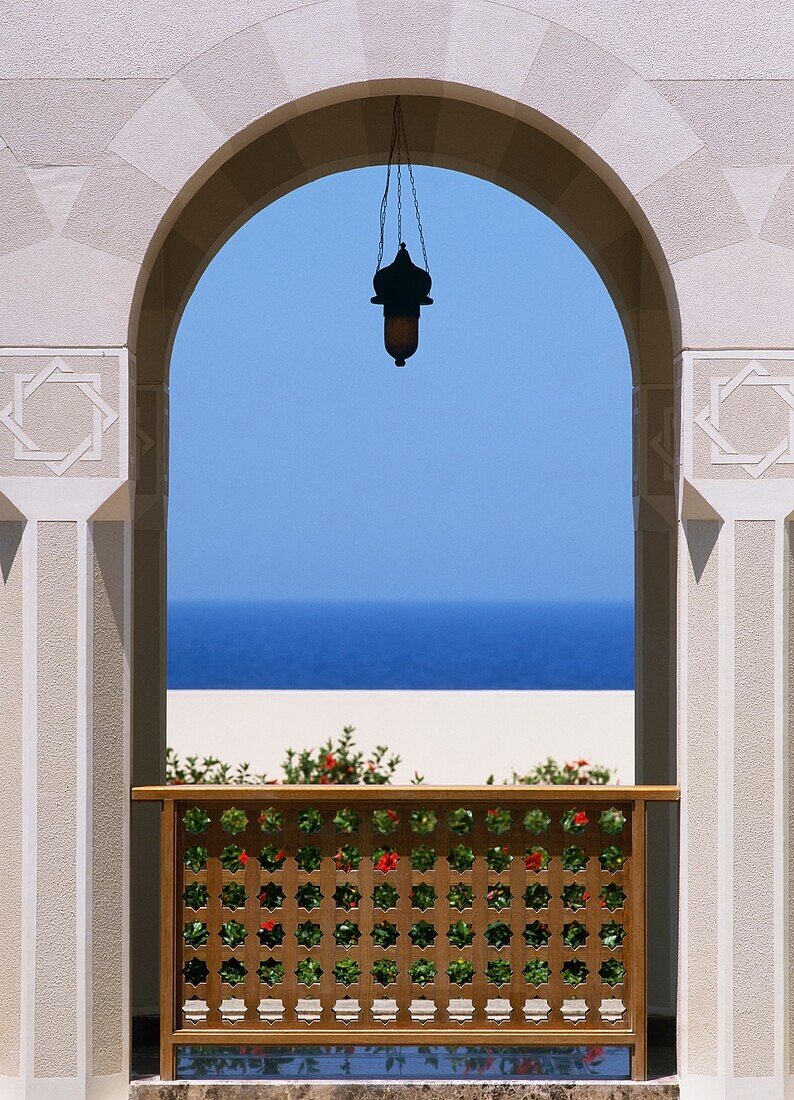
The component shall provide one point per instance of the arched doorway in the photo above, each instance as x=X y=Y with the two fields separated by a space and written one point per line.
x=490 y=142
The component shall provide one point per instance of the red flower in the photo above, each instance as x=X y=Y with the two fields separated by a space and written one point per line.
x=583 y=763
x=392 y=815
x=330 y=763
x=585 y=896
x=178 y=782
x=581 y=818
x=387 y=862
x=505 y=851
x=534 y=861
x=491 y=813
x=281 y=856
x=324 y=780
x=350 y=769
x=268 y=925
x=244 y=857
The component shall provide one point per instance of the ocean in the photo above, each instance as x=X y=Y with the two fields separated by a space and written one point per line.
x=401 y=646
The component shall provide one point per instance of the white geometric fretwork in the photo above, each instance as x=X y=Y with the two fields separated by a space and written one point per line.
x=723 y=452
x=57 y=372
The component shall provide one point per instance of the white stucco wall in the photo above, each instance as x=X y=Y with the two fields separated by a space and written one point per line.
x=447 y=736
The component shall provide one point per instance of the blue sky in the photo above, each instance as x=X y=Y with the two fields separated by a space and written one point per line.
x=495 y=466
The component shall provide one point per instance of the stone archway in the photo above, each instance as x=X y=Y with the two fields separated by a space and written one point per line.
x=103 y=149
x=447 y=132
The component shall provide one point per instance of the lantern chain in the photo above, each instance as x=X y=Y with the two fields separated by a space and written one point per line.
x=399 y=142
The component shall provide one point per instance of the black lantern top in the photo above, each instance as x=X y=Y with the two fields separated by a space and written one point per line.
x=402 y=287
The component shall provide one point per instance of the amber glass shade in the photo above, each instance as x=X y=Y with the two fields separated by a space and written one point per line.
x=401 y=336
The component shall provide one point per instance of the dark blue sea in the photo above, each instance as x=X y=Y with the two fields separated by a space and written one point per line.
x=430 y=646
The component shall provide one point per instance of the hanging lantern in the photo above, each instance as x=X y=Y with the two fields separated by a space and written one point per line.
x=402 y=287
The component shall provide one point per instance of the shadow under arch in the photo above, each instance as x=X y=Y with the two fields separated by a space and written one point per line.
x=523 y=156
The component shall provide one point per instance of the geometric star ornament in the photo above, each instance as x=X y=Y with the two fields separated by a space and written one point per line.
x=58 y=373
x=723 y=451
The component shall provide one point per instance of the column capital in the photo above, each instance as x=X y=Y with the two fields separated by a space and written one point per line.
x=737 y=434
x=66 y=449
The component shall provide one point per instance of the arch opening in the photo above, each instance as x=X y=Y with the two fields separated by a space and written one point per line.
x=542 y=170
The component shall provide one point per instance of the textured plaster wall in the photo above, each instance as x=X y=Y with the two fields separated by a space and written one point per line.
x=108 y=793
x=700 y=554
x=754 y=926
x=11 y=805
x=57 y=886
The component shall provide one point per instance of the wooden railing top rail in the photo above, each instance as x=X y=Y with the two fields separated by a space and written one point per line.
x=206 y=792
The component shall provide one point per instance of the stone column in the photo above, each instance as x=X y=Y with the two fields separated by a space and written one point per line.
x=736 y=498
x=65 y=642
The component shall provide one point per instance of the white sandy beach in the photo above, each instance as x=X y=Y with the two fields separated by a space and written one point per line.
x=447 y=736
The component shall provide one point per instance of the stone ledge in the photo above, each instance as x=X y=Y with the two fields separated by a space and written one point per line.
x=404 y=1090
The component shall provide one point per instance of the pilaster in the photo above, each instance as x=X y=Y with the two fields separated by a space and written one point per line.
x=735 y=503
x=65 y=596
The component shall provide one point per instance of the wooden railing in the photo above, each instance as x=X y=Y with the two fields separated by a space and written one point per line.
x=504 y=916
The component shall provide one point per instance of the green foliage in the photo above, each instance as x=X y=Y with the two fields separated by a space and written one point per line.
x=271 y=820
x=574 y=820
x=233 y=895
x=347 y=934
x=309 y=858
x=233 y=933
x=308 y=971
x=195 y=971
x=460 y=821
x=574 y=896
x=347 y=821
x=537 y=972
x=384 y=896
x=233 y=972
x=498 y=934
x=498 y=971
x=233 y=858
x=422 y=971
x=536 y=934
x=423 y=822
x=196 y=820
x=612 y=821
x=272 y=857
x=498 y=821
x=612 y=896
x=308 y=934
x=385 y=822
x=340 y=762
x=612 y=972
x=309 y=895
x=574 y=972
x=461 y=858
x=460 y=896
x=499 y=896
x=233 y=821
x=195 y=934
x=537 y=896
x=612 y=859
x=537 y=821
x=460 y=934
x=347 y=858
x=196 y=858
x=310 y=821
x=347 y=971
x=422 y=934
x=384 y=971
x=384 y=934
x=346 y=897
x=460 y=971
x=574 y=935
x=271 y=896
x=573 y=858
x=271 y=972
x=423 y=896
x=196 y=896
x=423 y=858
x=612 y=934
x=578 y=772
x=498 y=859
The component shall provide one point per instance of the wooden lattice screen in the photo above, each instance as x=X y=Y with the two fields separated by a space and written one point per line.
x=501 y=916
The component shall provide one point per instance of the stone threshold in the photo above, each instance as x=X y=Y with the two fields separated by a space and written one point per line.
x=666 y=1089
